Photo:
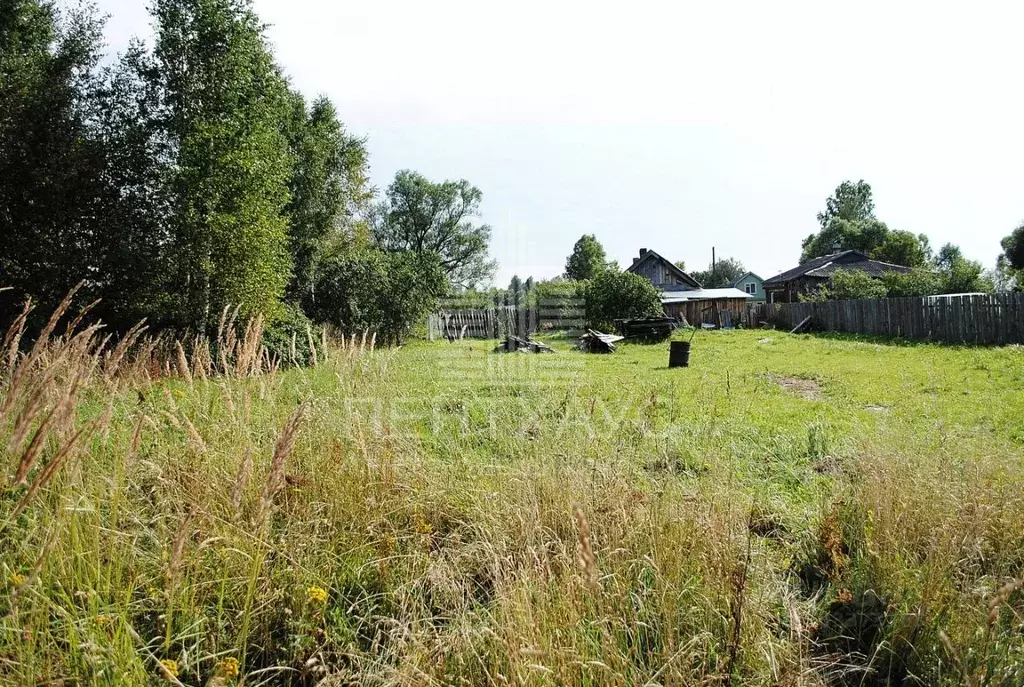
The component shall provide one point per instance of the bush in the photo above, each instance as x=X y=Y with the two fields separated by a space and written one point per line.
x=277 y=336
x=915 y=283
x=848 y=285
x=384 y=292
x=620 y=295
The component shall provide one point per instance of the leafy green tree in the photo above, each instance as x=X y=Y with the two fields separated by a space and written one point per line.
x=903 y=248
x=384 y=292
x=223 y=107
x=864 y=235
x=848 y=222
x=132 y=247
x=852 y=202
x=681 y=264
x=587 y=259
x=613 y=295
x=849 y=285
x=329 y=188
x=720 y=274
x=52 y=194
x=1013 y=249
x=434 y=218
x=917 y=282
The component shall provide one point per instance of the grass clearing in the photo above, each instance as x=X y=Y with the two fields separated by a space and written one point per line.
x=789 y=510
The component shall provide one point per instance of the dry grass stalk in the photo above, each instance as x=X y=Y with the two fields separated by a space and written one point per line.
x=312 y=347
x=178 y=549
x=276 y=475
x=587 y=560
x=113 y=359
x=241 y=480
x=183 y=368
x=12 y=338
x=46 y=474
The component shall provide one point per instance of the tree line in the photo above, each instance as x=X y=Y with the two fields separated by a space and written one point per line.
x=189 y=176
x=849 y=223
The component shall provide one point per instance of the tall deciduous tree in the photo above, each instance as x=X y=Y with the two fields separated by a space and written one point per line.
x=224 y=102
x=587 y=259
x=852 y=201
x=329 y=188
x=903 y=248
x=51 y=189
x=427 y=217
x=1013 y=249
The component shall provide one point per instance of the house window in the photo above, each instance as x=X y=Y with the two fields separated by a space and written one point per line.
x=750 y=287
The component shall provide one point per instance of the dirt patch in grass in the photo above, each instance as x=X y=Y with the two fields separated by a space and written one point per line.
x=808 y=388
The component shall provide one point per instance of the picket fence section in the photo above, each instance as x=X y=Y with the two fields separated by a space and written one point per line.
x=977 y=319
x=502 y=321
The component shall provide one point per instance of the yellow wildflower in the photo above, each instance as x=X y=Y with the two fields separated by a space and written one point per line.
x=420 y=524
x=316 y=595
x=102 y=620
x=229 y=667
x=16 y=580
x=170 y=667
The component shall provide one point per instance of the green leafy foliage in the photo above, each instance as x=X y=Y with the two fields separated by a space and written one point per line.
x=1011 y=262
x=720 y=274
x=329 y=188
x=918 y=282
x=52 y=195
x=587 y=260
x=903 y=248
x=616 y=295
x=434 y=218
x=224 y=103
x=385 y=292
x=852 y=202
x=848 y=285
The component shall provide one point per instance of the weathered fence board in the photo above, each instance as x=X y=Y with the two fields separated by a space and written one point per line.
x=503 y=321
x=985 y=319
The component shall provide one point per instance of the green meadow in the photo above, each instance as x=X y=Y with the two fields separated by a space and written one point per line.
x=789 y=510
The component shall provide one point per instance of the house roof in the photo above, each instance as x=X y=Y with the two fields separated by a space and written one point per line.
x=823 y=267
x=702 y=295
x=743 y=276
x=652 y=255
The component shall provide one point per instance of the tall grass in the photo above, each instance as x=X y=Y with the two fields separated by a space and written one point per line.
x=191 y=513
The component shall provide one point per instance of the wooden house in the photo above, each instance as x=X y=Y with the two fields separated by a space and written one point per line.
x=750 y=284
x=811 y=275
x=682 y=296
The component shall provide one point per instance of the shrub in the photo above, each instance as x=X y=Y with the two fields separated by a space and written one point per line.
x=386 y=293
x=915 y=283
x=620 y=295
x=290 y=325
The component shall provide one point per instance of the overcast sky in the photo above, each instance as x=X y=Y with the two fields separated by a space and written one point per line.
x=674 y=126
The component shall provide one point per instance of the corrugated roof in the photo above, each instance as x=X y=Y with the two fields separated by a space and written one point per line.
x=702 y=295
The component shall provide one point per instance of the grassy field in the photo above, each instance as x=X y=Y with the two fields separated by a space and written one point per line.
x=790 y=510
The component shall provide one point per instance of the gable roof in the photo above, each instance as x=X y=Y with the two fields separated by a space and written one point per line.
x=823 y=267
x=651 y=255
x=743 y=276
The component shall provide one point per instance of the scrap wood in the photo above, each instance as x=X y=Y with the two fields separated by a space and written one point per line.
x=514 y=343
x=598 y=342
x=801 y=325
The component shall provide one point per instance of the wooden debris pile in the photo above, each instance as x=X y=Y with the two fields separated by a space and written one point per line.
x=596 y=342
x=648 y=329
x=513 y=344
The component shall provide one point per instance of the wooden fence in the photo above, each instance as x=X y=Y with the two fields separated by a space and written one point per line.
x=986 y=319
x=502 y=321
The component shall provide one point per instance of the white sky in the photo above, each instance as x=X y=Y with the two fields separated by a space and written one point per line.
x=674 y=126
